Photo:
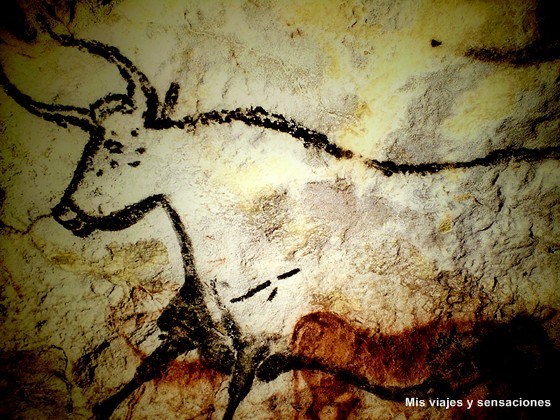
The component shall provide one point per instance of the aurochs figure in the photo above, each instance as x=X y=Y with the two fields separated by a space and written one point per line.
x=138 y=159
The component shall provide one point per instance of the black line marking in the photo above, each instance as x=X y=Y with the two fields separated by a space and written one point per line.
x=252 y=292
x=82 y=224
x=264 y=285
x=544 y=47
x=277 y=364
x=261 y=118
x=129 y=72
x=258 y=117
x=134 y=164
x=59 y=114
x=531 y=55
x=273 y=294
x=288 y=274
x=493 y=158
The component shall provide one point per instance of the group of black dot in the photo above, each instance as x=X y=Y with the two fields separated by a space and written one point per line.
x=116 y=147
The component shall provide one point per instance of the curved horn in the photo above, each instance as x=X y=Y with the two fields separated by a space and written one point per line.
x=60 y=114
x=136 y=80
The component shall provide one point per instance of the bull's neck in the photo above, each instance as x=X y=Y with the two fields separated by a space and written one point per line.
x=184 y=241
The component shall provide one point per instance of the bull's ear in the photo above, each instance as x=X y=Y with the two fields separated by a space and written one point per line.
x=110 y=104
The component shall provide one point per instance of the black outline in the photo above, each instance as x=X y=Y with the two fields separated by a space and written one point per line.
x=253 y=291
x=186 y=322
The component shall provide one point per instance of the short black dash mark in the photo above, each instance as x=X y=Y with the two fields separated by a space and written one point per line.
x=113 y=146
x=288 y=274
x=273 y=294
x=134 y=164
x=141 y=150
x=114 y=164
x=99 y=173
x=264 y=285
x=435 y=43
x=252 y=292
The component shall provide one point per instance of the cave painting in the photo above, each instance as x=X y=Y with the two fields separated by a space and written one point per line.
x=438 y=360
x=388 y=366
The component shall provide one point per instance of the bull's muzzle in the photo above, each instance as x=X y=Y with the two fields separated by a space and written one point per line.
x=72 y=219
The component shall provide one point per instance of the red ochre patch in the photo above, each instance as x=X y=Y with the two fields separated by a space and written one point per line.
x=185 y=387
x=187 y=373
x=478 y=361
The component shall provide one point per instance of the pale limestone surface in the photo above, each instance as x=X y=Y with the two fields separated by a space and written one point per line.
x=389 y=253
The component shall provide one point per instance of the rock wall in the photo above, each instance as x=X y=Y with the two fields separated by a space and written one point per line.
x=258 y=209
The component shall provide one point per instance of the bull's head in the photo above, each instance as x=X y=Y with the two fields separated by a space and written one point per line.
x=119 y=126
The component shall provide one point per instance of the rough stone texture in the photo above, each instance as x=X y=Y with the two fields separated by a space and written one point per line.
x=440 y=283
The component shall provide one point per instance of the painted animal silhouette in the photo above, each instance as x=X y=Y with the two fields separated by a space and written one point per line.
x=332 y=357
x=127 y=130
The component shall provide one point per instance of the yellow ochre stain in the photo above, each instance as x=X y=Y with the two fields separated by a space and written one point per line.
x=446 y=224
x=123 y=264
x=395 y=49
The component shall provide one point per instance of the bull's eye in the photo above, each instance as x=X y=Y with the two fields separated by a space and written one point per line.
x=134 y=133
x=99 y=172
x=113 y=146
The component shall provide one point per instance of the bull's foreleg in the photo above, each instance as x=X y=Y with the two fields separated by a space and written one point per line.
x=151 y=368
x=247 y=360
x=186 y=325
x=184 y=330
x=187 y=315
x=187 y=318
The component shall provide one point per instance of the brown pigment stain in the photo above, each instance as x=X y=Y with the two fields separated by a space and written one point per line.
x=327 y=395
x=390 y=359
x=192 y=385
x=482 y=360
x=189 y=373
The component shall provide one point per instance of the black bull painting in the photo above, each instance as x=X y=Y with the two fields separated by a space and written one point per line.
x=488 y=353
